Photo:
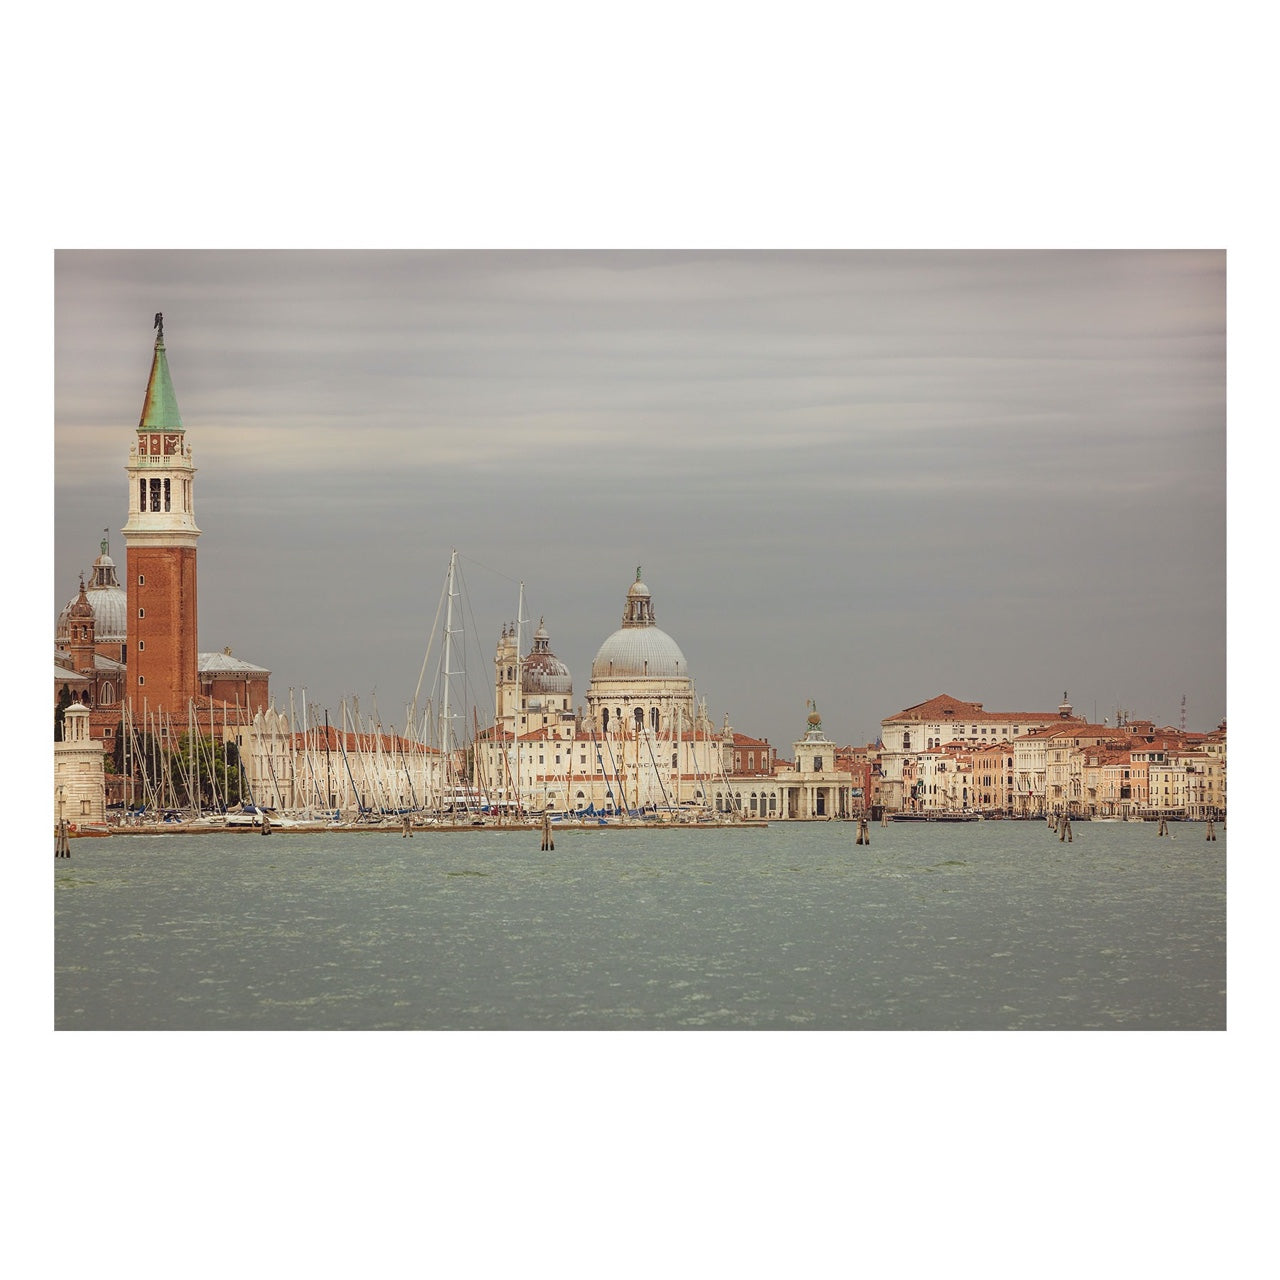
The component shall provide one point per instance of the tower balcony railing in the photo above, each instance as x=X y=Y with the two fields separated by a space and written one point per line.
x=160 y=461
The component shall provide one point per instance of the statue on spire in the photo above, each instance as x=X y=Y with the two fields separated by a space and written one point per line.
x=158 y=326
x=637 y=573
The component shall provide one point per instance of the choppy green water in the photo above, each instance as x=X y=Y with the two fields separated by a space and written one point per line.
x=968 y=926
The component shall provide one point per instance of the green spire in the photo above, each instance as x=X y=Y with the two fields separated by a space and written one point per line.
x=160 y=408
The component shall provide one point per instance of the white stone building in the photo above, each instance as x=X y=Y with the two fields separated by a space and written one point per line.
x=79 y=779
x=643 y=742
x=943 y=720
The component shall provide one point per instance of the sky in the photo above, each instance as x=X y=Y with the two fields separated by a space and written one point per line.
x=863 y=478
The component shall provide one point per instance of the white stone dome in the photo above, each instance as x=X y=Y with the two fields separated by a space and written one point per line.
x=639 y=649
x=639 y=653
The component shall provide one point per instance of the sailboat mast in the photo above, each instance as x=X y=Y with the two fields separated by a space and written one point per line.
x=446 y=723
x=519 y=707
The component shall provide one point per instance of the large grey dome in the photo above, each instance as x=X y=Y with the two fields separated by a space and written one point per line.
x=638 y=650
x=640 y=653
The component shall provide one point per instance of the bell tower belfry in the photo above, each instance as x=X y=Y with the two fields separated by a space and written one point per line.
x=160 y=552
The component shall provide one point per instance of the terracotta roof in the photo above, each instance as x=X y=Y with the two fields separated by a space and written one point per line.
x=944 y=707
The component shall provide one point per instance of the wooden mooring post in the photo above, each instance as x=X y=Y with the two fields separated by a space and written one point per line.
x=62 y=840
x=864 y=836
x=1066 y=830
x=1209 y=832
x=406 y=829
x=548 y=841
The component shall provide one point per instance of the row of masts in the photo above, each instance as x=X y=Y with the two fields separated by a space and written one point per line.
x=355 y=766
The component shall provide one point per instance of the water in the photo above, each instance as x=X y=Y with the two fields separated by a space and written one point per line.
x=995 y=925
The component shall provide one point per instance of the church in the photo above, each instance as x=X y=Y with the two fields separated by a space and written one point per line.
x=644 y=743
x=129 y=654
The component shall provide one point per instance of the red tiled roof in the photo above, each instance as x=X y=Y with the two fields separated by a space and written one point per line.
x=944 y=706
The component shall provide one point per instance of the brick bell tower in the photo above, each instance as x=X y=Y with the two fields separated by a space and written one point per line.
x=160 y=553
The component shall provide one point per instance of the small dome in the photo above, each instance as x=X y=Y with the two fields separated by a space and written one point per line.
x=542 y=671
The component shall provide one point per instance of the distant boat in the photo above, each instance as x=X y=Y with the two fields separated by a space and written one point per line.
x=936 y=817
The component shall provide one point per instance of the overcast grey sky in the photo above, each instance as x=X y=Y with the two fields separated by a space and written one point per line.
x=864 y=478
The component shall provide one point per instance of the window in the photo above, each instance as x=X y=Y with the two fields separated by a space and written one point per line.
x=142 y=644
x=142 y=579
x=142 y=613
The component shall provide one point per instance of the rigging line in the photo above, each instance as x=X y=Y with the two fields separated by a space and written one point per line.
x=430 y=641
x=657 y=773
x=487 y=569
x=466 y=683
x=622 y=785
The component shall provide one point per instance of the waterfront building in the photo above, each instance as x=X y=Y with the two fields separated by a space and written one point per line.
x=79 y=779
x=945 y=719
x=1187 y=784
x=643 y=741
x=1065 y=746
x=943 y=779
x=814 y=786
x=993 y=779
x=1106 y=774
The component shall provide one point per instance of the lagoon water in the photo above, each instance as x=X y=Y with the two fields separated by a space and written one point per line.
x=988 y=925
